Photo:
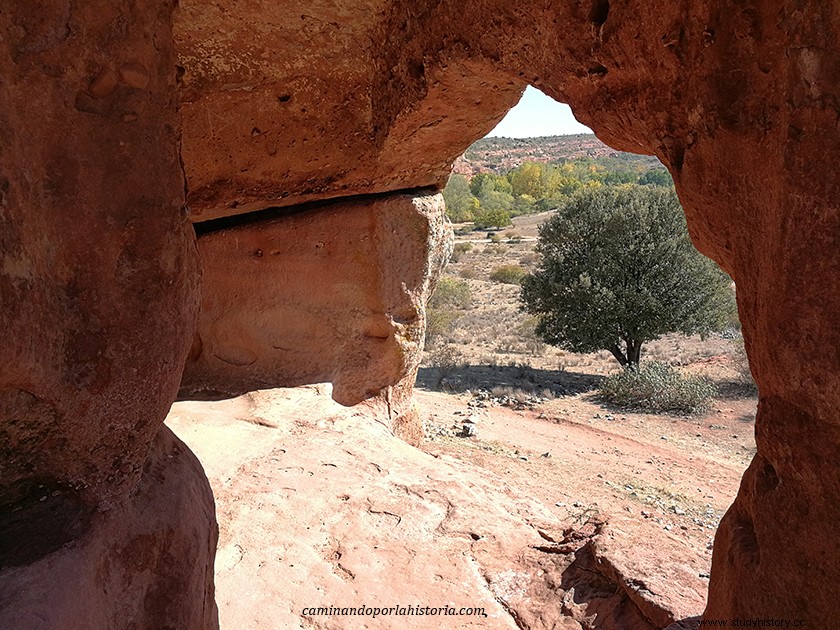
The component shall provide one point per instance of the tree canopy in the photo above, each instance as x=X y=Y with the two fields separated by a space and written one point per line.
x=460 y=203
x=492 y=199
x=618 y=269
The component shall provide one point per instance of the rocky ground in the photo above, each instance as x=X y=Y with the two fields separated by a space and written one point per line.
x=548 y=511
x=556 y=515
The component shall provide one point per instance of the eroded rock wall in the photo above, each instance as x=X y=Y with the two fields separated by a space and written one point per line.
x=283 y=103
x=738 y=99
x=98 y=261
x=99 y=283
x=294 y=102
x=330 y=293
x=147 y=563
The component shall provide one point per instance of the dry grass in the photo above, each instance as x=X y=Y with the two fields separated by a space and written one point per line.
x=493 y=333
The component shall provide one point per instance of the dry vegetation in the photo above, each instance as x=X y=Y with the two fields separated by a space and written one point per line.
x=483 y=340
x=493 y=394
x=490 y=331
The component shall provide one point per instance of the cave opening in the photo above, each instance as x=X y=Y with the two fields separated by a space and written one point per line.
x=132 y=122
x=535 y=413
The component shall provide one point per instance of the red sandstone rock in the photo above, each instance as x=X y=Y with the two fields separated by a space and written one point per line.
x=145 y=564
x=98 y=263
x=284 y=103
x=288 y=103
x=740 y=102
x=333 y=293
x=396 y=407
x=319 y=506
x=86 y=200
x=99 y=292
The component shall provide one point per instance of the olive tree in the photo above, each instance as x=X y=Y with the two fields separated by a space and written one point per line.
x=618 y=269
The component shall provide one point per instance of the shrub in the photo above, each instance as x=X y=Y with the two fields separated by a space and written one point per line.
x=451 y=292
x=446 y=358
x=529 y=259
x=445 y=361
x=439 y=322
x=468 y=272
x=657 y=387
x=508 y=274
x=459 y=250
x=451 y=296
x=534 y=345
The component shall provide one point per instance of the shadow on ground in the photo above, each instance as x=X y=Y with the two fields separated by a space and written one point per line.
x=517 y=377
x=735 y=389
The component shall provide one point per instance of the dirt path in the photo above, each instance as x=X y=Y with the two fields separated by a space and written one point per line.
x=575 y=457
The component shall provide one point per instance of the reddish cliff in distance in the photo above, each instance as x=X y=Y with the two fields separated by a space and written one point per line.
x=499 y=155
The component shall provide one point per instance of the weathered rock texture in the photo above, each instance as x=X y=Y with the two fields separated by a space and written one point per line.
x=146 y=564
x=99 y=293
x=395 y=405
x=320 y=506
x=290 y=102
x=739 y=100
x=97 y=259
x=335 y=293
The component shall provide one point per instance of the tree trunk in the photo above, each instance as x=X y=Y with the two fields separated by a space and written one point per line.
x=634 y=352
x=618 y=354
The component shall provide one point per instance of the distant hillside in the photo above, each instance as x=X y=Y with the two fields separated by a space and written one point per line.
x=498 y=155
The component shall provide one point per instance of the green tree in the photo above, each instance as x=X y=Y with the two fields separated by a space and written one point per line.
x=527 y=179
x=618 y=177
x=618 y=269
x=495 y=201
x=481 y=184
x=460 y=203
x=502 y=184
x=523 y=204
x=656 y=177
x=495 y=218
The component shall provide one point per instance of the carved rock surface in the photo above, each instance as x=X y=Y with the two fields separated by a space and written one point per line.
x=739 y=101
x=320 y=506
x=290 y=102
x=330 y=293
x=146 y=564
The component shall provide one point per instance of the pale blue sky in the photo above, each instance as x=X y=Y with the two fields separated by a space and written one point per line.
x=538 y=115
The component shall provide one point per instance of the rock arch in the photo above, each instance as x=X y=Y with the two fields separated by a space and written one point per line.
x=115 y=116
